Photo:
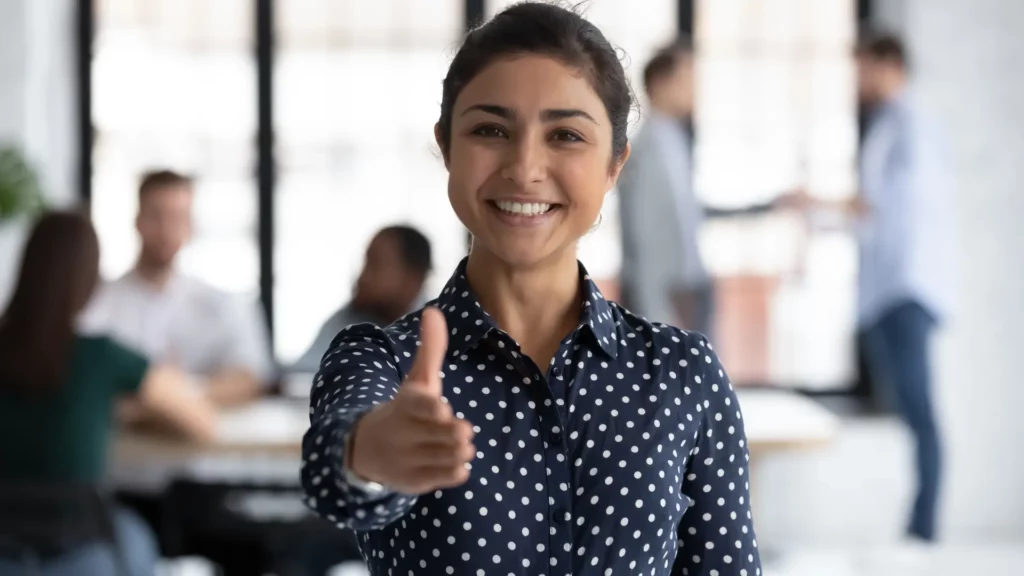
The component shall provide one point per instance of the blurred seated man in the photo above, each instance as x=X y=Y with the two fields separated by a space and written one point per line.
x=389 y=286
x=218 y=339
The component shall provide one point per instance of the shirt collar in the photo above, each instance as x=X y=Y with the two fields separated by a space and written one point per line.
x=468 y=322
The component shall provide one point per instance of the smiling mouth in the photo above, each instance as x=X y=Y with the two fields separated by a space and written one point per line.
x=523 y=209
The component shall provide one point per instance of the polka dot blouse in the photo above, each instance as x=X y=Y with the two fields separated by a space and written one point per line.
x=626 y=455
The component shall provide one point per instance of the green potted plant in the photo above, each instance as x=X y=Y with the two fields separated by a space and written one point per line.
x=20 y=190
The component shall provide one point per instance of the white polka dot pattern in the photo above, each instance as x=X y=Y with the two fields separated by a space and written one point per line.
x=626 y=453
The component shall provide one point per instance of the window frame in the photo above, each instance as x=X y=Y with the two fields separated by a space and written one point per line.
x=265 y=170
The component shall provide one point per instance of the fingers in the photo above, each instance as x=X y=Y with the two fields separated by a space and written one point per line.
x=429 y=479
x=443 y=455
x=426 y=367
x=423 y=406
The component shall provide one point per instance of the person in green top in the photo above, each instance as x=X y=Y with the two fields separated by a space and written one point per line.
x=58 y=389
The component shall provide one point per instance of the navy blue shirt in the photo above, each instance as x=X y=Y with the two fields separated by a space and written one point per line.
x=627 y=451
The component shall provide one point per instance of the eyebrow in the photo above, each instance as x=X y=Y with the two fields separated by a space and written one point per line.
x=546 y=115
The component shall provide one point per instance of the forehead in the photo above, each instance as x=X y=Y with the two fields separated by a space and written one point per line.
x=528 y=84
x=383 y=244
x=173 y=193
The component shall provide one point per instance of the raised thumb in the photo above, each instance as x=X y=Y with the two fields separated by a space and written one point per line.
x=426 y=366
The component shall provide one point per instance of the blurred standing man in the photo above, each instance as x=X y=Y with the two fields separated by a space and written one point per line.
x=173 y=318
x=905 y=230
x=663 y=275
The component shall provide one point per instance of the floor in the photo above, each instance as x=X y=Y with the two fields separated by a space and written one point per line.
x=950 y=560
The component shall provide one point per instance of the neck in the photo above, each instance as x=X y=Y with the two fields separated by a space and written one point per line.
x=537 y=306
x=156 y=275
x=386 y=315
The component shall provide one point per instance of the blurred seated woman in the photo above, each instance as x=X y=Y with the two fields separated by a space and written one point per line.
x=58 y=390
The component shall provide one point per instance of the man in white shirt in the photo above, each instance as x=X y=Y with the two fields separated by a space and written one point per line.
x=171 y=318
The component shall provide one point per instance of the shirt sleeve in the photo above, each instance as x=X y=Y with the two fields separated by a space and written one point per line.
x=310 y=359
x=644 y=288
x=127 y=366
x=716 y=535
x=359 y=372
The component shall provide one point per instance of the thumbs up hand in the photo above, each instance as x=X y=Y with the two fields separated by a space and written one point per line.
x=414 y=444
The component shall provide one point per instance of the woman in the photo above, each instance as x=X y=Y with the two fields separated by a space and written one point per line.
x=57 y=388
x=533 y=427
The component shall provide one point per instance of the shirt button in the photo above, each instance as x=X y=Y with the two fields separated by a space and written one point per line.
x=556 y=438
x=557 y=371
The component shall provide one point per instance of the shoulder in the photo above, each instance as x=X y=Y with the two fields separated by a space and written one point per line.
x=102 y=348
x=368 y=347
x=203 y=293
x=635 y=331
x=101 y=309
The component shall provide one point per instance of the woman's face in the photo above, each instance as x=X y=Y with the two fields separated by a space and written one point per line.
x=530 y=159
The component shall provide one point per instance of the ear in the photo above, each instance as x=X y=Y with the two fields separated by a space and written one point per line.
x=438 y=138
x=617 y=165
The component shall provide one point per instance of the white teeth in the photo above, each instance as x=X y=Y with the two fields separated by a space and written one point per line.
x=523 y=209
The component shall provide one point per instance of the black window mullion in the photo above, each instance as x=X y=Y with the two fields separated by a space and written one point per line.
x=684 y=17
x=265 y=169
x=84 y=34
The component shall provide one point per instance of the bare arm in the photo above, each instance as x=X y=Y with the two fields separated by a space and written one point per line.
x=233 y=387
x=166 y=394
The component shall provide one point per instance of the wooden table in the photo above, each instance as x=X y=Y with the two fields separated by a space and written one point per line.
x=779 y=420
x=261 y=442
x=265 y=439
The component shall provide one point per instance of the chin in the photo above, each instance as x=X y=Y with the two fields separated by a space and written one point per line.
x=522 y=255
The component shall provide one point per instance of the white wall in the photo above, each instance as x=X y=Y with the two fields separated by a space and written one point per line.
x=966 y=63
x=37 y=104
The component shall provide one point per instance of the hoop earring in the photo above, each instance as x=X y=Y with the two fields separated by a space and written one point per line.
x=600 y=218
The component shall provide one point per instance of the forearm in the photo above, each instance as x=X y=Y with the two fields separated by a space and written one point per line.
x=326 y=484
x=751 y=210
x=233 y=387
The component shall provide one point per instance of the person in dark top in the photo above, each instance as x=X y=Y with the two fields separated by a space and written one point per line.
x=58 y=389
x=389 y=286
x=521 y=423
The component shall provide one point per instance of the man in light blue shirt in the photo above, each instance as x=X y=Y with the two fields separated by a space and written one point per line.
x=904 y=229
x=906 y=251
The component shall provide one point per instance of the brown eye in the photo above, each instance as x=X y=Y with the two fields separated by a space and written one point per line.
x=566 y=136
x=490 y=131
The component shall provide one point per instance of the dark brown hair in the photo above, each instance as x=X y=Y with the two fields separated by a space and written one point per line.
x=882 y=47
x=548 y=30
x=160 y=179
x=59 y=271
x=665 y=60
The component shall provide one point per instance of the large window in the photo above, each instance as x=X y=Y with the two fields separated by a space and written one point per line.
x=174 y=86
x=637 y=28
x=357 y=89
x=776 y=113
x=355 y=93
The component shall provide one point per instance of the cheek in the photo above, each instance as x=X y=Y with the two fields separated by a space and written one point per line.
x=468 y=170
x=585 y=184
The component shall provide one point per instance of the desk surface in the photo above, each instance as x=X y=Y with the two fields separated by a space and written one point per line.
x=264 y=439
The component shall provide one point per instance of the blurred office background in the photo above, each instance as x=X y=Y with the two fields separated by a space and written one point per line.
x=308 y=124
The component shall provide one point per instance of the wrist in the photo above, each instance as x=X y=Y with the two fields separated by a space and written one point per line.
x=355 y=456
x=357 y=467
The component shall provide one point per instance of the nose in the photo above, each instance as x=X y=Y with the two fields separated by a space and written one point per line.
x=526 y=163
